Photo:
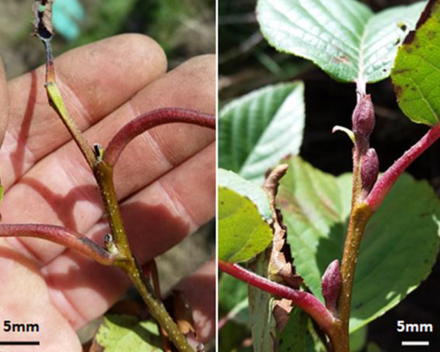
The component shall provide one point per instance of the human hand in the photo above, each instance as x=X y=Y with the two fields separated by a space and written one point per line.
x=165 y=180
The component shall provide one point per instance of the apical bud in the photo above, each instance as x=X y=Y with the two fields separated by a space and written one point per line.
x=369 y=170
x=363 y=118
x=331 y=285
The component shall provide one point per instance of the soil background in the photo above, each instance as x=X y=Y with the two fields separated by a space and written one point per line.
x=247 y=62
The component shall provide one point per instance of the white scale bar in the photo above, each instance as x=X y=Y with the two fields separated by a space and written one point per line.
x=415 y=343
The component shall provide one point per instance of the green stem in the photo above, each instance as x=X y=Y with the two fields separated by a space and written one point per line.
x=119 y=246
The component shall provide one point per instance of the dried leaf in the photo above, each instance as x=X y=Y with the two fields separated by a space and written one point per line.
x=183 y=313
x=43 y=19
x=281 y=312
x=280 y=265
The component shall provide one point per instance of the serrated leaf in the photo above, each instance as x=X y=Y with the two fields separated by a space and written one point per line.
x=125 y=333
x=416 y=73
x=344 y=38
x=243 y=233
x=399 y=247
x=260 y=128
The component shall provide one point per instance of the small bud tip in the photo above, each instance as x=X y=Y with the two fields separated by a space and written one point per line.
x=369 y=170
x=331 y=285
x=363 y=118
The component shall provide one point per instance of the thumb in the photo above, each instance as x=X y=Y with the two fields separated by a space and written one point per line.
x=4 y=103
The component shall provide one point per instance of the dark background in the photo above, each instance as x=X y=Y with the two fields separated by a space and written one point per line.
x=246 y=62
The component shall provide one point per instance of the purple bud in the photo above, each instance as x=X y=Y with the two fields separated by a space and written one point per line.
x=331 y=285
x=369 y=169
x=363 y=118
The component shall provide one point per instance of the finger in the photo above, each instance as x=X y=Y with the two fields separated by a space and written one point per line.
x=25 y=300
x=4 y=103
x=94 y=80
x=159 y=216
x=61 y=189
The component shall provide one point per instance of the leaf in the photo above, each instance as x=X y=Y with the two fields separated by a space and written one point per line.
x=399 y=247
x=125 y=333
x=231 y=338
x=250 y=190
x=260 y=128
x=243 y=233
x=358 y=339
x=344 y=38
x=295 y=333
x=416 y=73
x=233 y=299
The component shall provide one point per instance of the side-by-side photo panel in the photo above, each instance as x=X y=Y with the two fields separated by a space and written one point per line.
x=108 y=175
x=328 y=180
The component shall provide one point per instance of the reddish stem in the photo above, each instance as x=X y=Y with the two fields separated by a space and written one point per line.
x=389 y=178
x=60 y=235
x=304 y=300
x=149 y=120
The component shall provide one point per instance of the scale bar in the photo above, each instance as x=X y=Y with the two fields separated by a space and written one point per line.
x=415 y=343
x=19 y=343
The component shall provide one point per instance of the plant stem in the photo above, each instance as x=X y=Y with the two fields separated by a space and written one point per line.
x=103 y=171
x=104 y=177
x=359 y=217
x=60 y=235
x=56 y=101
x=149 y=120
x=157 y=309
x=304 y=300
x=389 y=178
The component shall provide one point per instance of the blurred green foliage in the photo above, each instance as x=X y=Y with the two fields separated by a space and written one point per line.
x=184 y=28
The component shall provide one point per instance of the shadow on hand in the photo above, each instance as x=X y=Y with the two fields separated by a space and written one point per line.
x=64 y=206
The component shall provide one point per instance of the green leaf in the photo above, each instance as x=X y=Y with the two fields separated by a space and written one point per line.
x=125 y=333
x=1 y=194
x=399 y=247
x=257 y=130
x=358 y=339
x=344 y=38
x=294 y=334
x=231 y=337
x=243 y=231
x=233 y=299
x=250 y=190
x=416 y=73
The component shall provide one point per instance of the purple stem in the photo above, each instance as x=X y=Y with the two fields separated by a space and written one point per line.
x=389 y=178
x=149 y=120
x=304 y=300
x=60 y=235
